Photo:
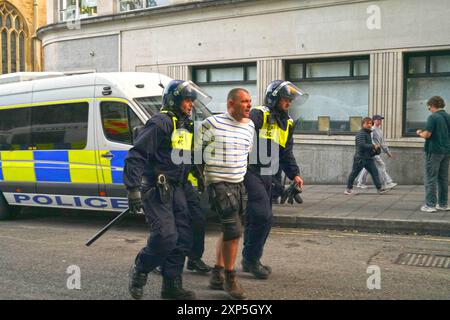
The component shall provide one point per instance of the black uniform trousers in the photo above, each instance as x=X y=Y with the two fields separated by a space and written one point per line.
x=198 y=222
x=258 y=216
x=170 y=237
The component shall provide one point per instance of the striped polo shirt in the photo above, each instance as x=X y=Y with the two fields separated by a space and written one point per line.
x=226 y=145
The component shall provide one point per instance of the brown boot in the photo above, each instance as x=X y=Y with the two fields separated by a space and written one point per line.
x=217 y=278
x=232 y=287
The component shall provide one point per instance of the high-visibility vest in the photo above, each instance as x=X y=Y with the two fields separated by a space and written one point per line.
x=181 y=138
x=272 y=131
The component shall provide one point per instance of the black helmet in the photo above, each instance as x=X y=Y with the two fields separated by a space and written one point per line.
x=280 y=88
x=175 y=92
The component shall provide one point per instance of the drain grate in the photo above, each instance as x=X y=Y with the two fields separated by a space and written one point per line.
x=424 y=260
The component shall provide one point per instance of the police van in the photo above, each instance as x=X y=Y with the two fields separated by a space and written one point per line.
x=64 y=138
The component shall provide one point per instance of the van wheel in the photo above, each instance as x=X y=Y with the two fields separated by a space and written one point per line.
x=7 y=212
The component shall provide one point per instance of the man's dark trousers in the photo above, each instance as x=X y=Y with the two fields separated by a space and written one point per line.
x=258 y=216
x=369 y=165
x=170 y=237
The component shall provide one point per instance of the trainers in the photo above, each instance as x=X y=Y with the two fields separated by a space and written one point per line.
x=217 y=278
x=443 y=208
x=382 y=190
x=391 y=185
x=232 y=286
x=362 y=186
x=428 y=209
x=198 y=265
x=350 y=192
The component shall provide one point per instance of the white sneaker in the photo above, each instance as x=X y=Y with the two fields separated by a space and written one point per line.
x=362 y=186
x=391 y=185
x=445 y=208
x=428 y=209
x=350 y=192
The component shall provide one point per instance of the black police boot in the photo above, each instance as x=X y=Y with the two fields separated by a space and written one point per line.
x=256 y=268
x=198 y=265
x=136 y=283
x=173 y=289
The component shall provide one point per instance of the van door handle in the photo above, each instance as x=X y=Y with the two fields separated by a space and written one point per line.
x=108 y=155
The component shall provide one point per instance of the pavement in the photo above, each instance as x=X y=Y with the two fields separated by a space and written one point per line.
x=398 y=211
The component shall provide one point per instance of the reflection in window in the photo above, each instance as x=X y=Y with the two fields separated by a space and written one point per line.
x=118 y=122
x=219 y=80
x=129 y=5
x=427 y=75
x=60 y=126
x=338 y=94
x=77 y=9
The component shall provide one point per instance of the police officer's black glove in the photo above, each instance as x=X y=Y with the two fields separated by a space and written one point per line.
x=134 y=200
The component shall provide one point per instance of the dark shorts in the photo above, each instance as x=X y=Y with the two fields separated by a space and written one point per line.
x=227 y=199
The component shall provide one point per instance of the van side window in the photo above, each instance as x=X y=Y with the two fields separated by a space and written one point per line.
x=15 y=129
x=62 y=126
x=118 y=121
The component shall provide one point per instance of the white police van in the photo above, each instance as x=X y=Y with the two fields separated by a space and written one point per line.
x=64 y=138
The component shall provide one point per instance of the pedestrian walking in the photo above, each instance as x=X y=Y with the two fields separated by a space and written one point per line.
x=378 y=138
x=366 y=150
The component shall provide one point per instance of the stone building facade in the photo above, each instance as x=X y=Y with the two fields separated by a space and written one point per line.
x=355 y=58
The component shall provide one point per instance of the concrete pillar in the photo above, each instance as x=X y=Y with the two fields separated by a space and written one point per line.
x=52 y=11
x=180 y=72
x=106 y=7
x=386 y=91
x=267 y=71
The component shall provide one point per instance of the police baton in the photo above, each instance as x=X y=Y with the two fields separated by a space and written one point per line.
x=106 y=228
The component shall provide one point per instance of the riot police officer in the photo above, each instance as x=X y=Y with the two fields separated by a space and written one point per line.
x=155 y=175
x=274 y=132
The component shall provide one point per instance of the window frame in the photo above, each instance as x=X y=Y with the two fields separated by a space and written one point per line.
x=208 y=69
x=31 y=109
x=62 y=9
x=427 y=74
x=144 y=7
x=350 y=77
x=105 y=135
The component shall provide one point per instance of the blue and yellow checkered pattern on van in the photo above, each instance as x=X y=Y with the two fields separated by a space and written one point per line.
x=70 y=166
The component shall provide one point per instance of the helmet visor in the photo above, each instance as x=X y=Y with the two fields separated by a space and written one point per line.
x=189 y=90
x=292 y=92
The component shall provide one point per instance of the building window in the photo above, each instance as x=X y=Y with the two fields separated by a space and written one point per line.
x=219 y=80
x=426 y=75
x=13 y=35
x=129 y=5
x=77 y=9
x=338 y=92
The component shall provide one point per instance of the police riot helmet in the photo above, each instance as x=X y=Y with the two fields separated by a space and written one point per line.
x=280 y=88
x=176 y=91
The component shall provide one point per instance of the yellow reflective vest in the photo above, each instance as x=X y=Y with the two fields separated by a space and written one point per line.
x=181 y=138
x=272 y=131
